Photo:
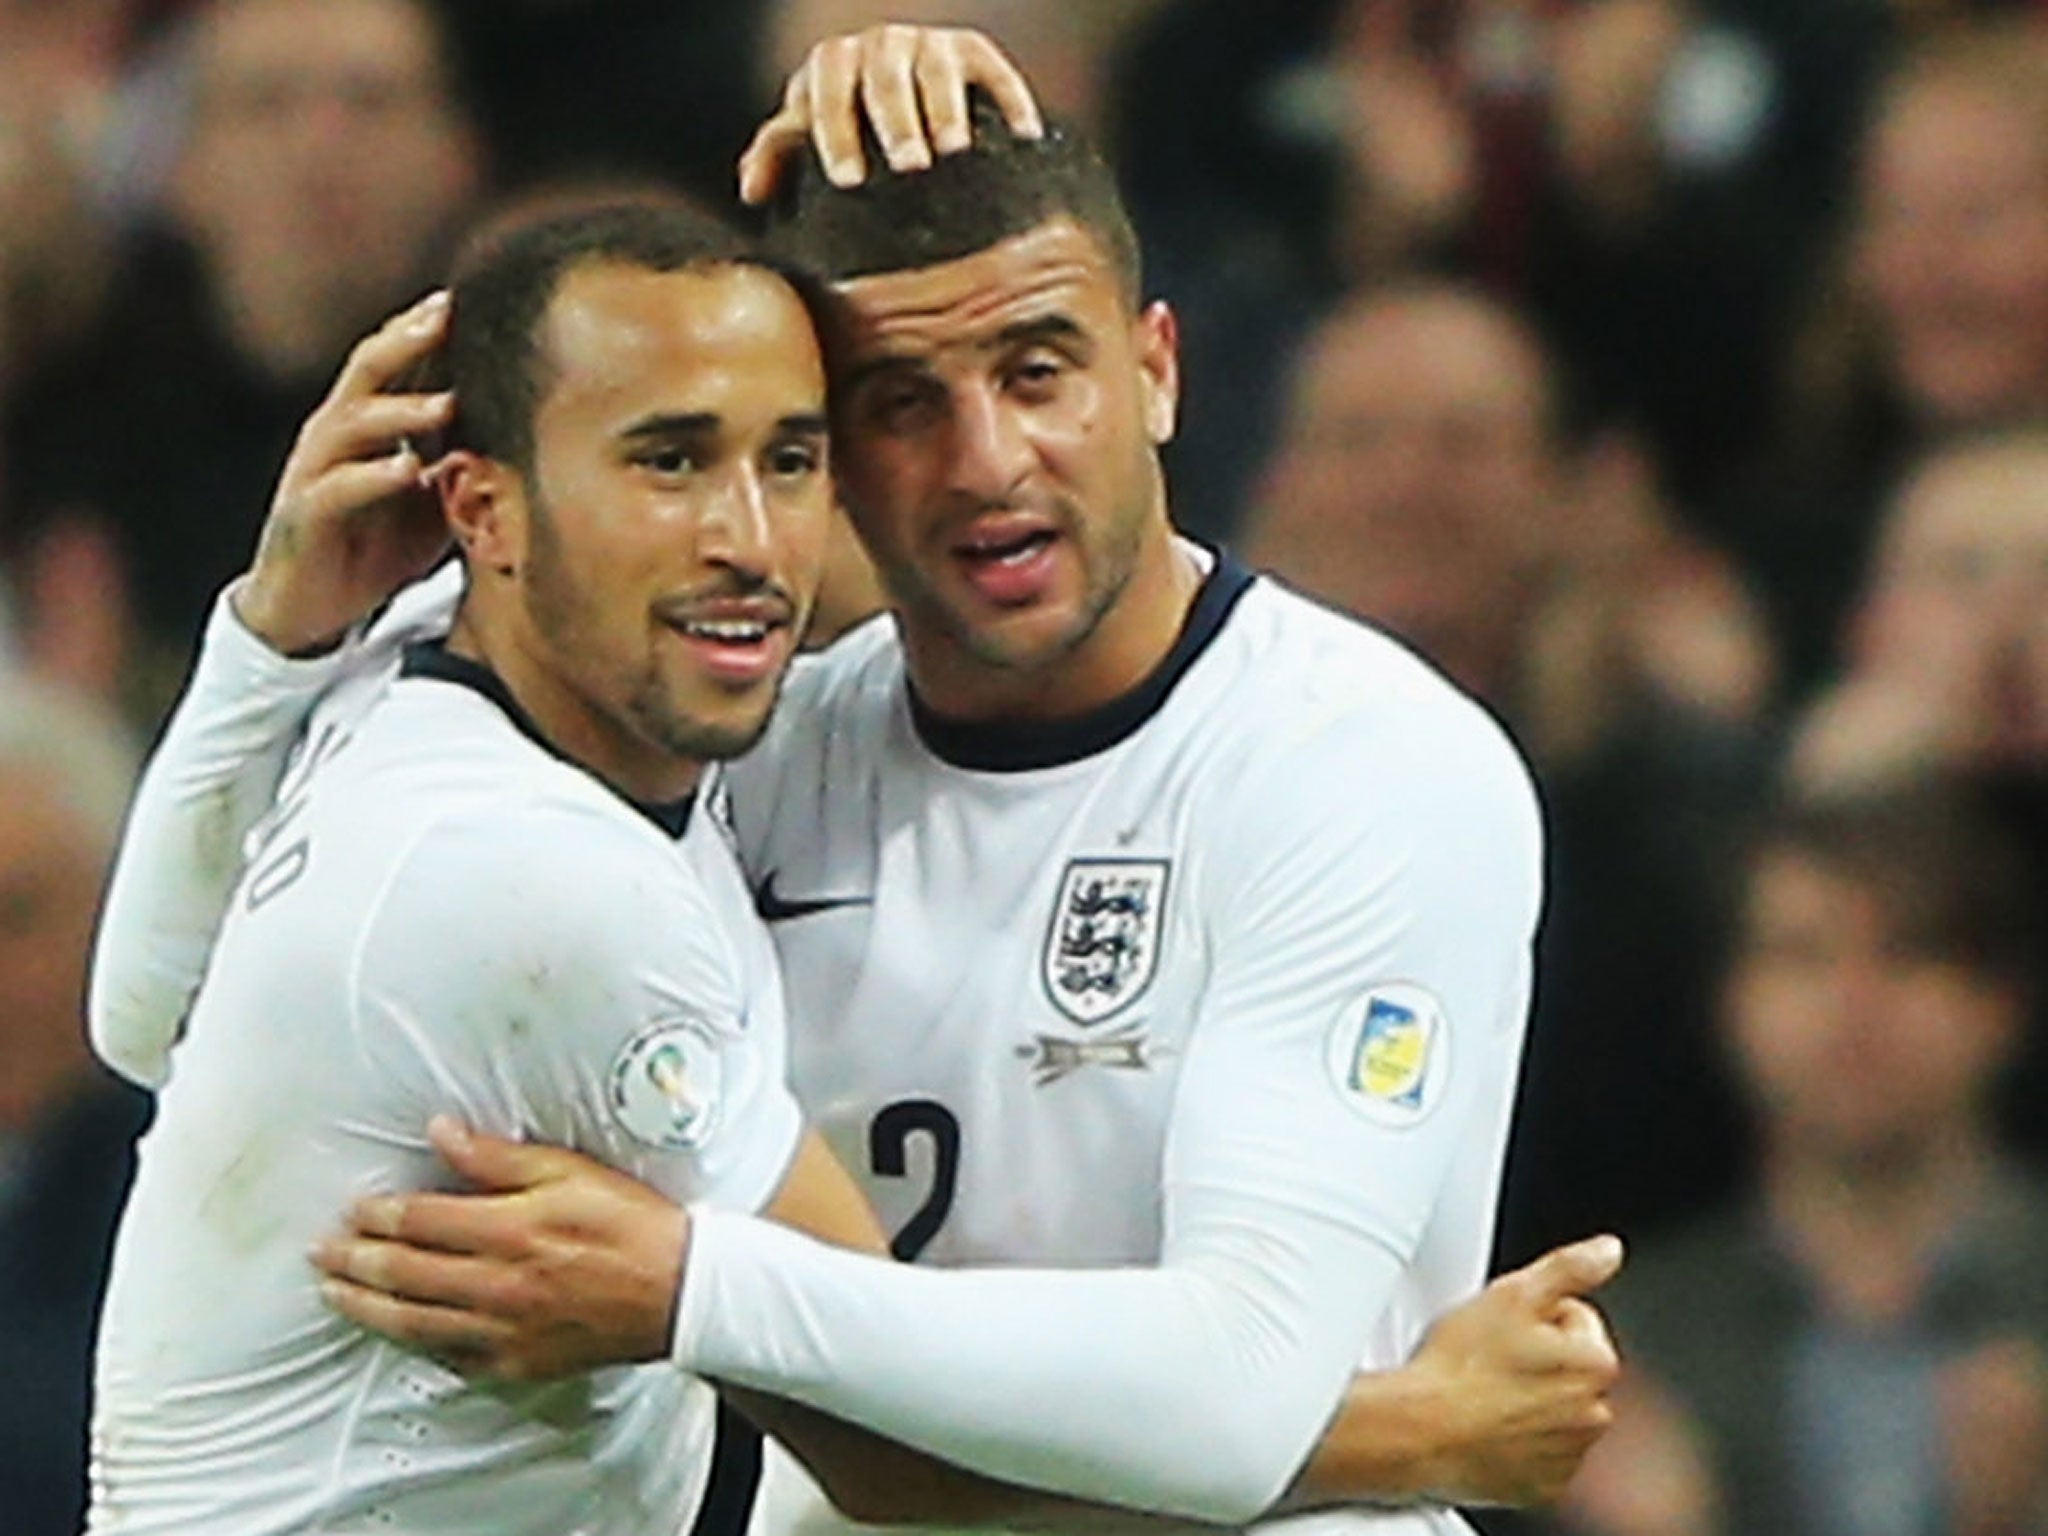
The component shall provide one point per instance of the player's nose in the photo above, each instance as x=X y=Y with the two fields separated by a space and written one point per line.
x=737 y=528
x=991 y=452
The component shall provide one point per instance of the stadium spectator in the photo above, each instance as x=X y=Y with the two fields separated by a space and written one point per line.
x=1946 y=666
x=1418 y=498
x=1941 y=326
x=53 y=86
x=1330 y=146
x=1642 y=171
x=323 y=154
x=1954 y=253
x=1426 y=478
x=1689 y=176
x=1857 y=1347
x=65 y=1126
x=1425 y=481
x=54 y=79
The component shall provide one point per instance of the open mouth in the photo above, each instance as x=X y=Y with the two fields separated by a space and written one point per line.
x=727 y=631
x=737 y=642
x=1008 y=558
x=1012 y=550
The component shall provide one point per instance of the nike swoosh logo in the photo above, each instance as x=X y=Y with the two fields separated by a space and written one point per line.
x=773 y=907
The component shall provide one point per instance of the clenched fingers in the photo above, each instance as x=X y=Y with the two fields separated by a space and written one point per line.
x=1572 y=1342
x=1584 y=1342
x=1572 y=1270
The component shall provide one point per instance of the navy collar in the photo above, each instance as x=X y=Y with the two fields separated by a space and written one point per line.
x=433 y=659
x=1014 y=746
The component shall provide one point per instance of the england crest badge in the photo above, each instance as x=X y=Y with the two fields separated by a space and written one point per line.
x=1102 y=949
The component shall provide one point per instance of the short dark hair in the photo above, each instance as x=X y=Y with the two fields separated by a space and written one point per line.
x=507 y=276
x=1939 y=858
x=1000 y=187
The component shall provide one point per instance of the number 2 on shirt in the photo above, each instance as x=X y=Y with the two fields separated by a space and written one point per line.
x=888 y=1154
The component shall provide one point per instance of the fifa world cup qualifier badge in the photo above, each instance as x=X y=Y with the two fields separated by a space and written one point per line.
x=665 y=1086
x=1390 y=1054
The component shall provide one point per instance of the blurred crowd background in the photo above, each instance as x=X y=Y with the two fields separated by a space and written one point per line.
x=1674 y=373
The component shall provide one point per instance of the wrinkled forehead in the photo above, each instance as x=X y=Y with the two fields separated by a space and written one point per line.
x=1056 y=268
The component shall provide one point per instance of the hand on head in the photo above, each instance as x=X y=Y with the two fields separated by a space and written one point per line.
x=354 y=518
x=910 y=87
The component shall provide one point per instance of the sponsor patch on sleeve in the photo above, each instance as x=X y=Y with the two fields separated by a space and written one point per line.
x=1389 y=1054
x=666 y=1085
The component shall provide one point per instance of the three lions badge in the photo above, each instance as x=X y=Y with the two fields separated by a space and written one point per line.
x=1102 y=949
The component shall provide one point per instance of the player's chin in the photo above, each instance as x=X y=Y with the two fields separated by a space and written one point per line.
x=731 y=729
x=1025 y=638
x=709 y=721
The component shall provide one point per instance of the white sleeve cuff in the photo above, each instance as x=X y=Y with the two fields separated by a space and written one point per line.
x=234 y=661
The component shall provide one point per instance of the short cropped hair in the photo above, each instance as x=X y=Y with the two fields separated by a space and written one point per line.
x=1938 y=858
x=509 y=272
x=1000 y=187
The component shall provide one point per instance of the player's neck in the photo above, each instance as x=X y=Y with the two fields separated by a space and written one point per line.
x=566 y=719
x=1134 y=638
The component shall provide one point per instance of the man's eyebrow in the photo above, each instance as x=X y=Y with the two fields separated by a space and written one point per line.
x=1042 y=328
x=674 y=424
x=874 y=367
x=707 y=423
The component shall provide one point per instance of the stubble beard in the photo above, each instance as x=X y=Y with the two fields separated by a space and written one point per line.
x=654 y=715
x=563 y=614
x=1107 y=569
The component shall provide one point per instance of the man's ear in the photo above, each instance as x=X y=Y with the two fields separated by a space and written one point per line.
x=485 y=505
x=1157 y=333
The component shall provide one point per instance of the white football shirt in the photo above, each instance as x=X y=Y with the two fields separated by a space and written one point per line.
x=1217 y=996
x=1255 y=940
x=438 y=915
